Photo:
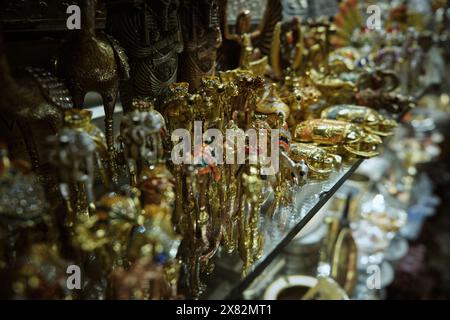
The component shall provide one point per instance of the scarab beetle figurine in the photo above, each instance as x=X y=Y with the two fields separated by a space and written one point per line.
x=346 y=138
x=369 y=119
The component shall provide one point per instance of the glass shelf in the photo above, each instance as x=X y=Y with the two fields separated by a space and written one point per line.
x=226 y=281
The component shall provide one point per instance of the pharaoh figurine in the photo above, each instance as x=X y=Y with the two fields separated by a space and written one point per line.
x=288 y=48
x=272 y=110
x=150 y=32
x=194 y=249
x=246 y=45
x=202 y=38
x=250 y=239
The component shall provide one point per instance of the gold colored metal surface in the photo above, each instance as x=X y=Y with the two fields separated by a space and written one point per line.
x=238 y=48
x=320 y=162
x=370 y=120
x=344 y=261
x=349 y=138
x=300 y=287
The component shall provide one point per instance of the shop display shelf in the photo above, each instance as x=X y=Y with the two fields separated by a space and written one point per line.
x=302 y=217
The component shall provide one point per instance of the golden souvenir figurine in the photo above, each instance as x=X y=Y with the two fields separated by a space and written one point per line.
x=247 y=47
x=103 y=239
x=142 y=131
x=317 y=42
x=177 y=111
x=81 y=120
x=24 y=211
x=288 y=48
x=220 y=94
x=194 y=229
x=320 y=162
x=40 y=273
x=391 y=101
x=251 y=61
x=271 y=104
x=334 y=89
x=243 y=105
x=239 y=108
x=90 y=62
x=72 y=153
x=369 y=119
x=300 y=95
x=271 y=113
x=250 y=239
x=344 y=138
x=32 y=103
x=232 y=186
x=141 y=135
x=199 y=224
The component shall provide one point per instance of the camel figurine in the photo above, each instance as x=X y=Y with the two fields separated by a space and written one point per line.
x=93 y=62
x=32 y=104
